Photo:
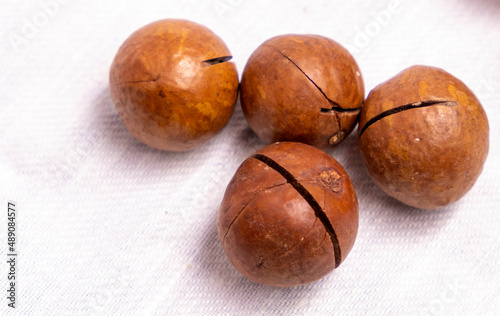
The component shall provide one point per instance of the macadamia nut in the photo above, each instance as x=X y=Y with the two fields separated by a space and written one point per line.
x=289 y=215
x=302 y=88
x=172 y=85
x=423 y=137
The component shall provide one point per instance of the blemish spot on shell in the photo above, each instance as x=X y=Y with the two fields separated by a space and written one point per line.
x=183 y=38
x=331 y=179
x=337 y=138
x=204 y=108
x=262 y=92
x=423 y=89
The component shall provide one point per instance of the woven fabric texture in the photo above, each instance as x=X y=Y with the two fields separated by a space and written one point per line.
x=109 y=226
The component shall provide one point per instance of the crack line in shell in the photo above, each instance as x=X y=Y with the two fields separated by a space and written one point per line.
x=215 y=61
x=338 y=109
x=405 y=107
x=318 y=211
x=245 y=206
x=139 y=81
x=334 y=104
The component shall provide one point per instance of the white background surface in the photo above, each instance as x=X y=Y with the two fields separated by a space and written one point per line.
x=109 y=226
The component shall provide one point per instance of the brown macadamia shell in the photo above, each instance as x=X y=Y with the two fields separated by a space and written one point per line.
x=423 y=137
x=289 y=216
x=171 y=85
x=303 y=88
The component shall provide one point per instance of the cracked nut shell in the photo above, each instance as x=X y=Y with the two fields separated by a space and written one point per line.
x=289 y=215
x=303 y=88
x=172 y=85
x=423 y=137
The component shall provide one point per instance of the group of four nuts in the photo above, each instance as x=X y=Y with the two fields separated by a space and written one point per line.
x=289 y=216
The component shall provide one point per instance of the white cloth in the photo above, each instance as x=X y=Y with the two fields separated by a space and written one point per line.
x=109 y=226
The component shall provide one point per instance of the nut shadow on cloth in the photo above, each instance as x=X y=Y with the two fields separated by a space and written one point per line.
x=218 y=275
x=389 y=214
